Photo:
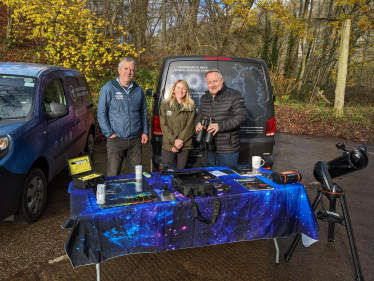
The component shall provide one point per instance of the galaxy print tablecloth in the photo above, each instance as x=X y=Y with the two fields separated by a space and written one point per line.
x=99 y=234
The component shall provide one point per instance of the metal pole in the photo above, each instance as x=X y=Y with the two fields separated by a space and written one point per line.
x=98 y=272
x=351 y=238
x=277 y=251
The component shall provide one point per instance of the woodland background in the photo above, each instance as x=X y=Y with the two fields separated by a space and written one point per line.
x=299 y=40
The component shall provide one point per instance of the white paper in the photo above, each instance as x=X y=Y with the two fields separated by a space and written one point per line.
x=217 y=173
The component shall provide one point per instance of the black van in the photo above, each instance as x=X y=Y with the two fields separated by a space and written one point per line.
x=249 y=76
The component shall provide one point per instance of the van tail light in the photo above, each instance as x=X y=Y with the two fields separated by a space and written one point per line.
x=270 y=127
x=156 y=126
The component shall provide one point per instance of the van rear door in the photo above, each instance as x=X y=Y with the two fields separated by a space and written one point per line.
x=250 y=77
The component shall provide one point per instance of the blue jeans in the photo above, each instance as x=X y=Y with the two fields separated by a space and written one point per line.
x=223 y=159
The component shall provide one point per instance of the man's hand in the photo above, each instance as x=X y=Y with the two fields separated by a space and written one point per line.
x=199 y=127
x=178 y=143
x=174 y=150
x=144 y=138
x=112 y=136
x=213 y=128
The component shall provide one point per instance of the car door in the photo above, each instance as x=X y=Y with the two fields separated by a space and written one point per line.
x=59 y=130
x=88 y=113
x=77 y=127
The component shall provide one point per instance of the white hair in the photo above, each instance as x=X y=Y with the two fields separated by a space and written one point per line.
x=128 y=60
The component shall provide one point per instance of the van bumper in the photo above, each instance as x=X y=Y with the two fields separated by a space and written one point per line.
x=10 y=192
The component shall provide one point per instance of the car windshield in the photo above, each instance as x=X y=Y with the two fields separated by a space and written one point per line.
x=16 y=96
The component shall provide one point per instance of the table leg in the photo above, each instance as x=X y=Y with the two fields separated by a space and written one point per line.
x=277 y=251
x=98 y=272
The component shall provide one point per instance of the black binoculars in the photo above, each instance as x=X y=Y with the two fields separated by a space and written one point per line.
x=203 y=135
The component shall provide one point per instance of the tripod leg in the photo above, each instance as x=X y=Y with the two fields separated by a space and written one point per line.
x=331 y=229
x=291 y=249
x=351 y=238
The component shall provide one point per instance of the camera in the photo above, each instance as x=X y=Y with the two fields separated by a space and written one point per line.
x=203 y=135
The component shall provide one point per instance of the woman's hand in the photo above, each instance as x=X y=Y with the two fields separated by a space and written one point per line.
x=173 y=149
x=178 y=143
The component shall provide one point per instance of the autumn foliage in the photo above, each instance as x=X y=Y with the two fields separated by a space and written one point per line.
x=67 y=34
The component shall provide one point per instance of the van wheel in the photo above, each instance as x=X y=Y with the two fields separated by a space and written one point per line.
x=90 y=144
x=33 y=198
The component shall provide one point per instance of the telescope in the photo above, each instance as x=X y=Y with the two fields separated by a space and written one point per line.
x=351 y=161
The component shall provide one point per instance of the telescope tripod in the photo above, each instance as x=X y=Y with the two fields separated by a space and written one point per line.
x=332 y=218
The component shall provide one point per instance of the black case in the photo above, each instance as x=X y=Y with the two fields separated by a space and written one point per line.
x=82 y=172
x=192 y=183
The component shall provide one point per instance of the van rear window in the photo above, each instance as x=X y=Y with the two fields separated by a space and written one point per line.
x=193 y=72
x=245 y=77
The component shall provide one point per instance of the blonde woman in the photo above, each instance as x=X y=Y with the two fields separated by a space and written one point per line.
x=177 y=118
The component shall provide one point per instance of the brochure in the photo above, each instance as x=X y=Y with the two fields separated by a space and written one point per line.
x=242 y=170
x=219 y=185
x=254 y=184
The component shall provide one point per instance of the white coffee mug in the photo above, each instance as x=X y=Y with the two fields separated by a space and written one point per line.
x=257 y=162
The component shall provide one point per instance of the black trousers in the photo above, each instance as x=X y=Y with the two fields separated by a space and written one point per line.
x=118 y=149
x=180 y=157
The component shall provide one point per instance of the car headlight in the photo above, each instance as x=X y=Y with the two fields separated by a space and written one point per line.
x=5 y=145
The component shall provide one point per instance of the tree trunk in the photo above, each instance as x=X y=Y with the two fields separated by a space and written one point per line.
x=10 y=23
x=113 y=20
x=342 y=68
x=164 y=43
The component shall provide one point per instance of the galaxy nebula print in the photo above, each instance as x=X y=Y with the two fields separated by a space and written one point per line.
x=99 y=234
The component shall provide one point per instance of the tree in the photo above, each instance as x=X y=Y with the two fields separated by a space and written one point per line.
x=69 y=34
x=342 y=68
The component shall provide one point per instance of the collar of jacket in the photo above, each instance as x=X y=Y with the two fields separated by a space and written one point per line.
x=219 y=93
x=132 y=87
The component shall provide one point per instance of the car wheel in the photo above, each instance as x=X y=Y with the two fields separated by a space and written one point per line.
x=33 y=198
x=90 y=144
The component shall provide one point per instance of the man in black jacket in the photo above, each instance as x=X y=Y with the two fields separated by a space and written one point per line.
x=227 y=108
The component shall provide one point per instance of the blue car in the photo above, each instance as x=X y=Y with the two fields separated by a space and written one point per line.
x=46 y=113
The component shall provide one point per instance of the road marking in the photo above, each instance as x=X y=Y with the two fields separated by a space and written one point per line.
x=64 y=257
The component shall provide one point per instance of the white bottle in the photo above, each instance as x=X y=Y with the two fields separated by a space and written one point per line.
x=100 y=194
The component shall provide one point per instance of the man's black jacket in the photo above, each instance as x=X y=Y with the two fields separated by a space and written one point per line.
x=228 y=109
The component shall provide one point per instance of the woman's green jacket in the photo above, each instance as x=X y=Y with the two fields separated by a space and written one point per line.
x=176 y=124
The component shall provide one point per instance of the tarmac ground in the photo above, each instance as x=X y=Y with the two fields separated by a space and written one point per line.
x=36 y=251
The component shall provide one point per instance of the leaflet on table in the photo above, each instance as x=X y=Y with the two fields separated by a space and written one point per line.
x=220 y=186
x=243 y=170
x=254 y=184
x=222 y=173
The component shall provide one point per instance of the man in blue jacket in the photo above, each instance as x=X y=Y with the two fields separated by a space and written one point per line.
x=122 y=116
